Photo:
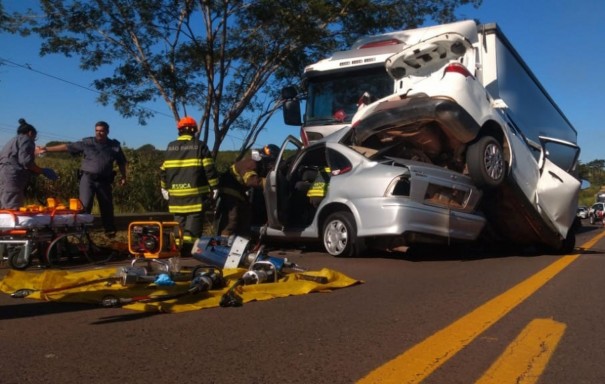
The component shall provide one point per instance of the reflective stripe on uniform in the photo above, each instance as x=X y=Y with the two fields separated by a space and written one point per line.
x=182 y=163
x=189 y=191
x=318 y=189
x=248 y=175
x=185 y=208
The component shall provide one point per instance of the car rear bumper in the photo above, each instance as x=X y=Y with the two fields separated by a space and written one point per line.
x=397 y=218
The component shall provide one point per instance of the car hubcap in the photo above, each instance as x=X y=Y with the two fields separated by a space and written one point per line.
x=494 y=164
x=335 y=238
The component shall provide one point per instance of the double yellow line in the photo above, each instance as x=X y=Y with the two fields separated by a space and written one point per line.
x=418 y=362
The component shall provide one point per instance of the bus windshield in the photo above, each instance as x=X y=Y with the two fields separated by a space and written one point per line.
x=332 y=98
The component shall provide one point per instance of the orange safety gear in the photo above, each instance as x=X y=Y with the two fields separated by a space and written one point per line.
x=270 y=151
x=187 y=121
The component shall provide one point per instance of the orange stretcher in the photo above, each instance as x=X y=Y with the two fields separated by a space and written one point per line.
x=50 y=232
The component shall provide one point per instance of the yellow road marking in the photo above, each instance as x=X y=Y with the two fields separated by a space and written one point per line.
x=526 y=357
x=418 y=362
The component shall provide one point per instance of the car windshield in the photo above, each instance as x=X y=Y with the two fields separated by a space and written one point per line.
x=332 y=98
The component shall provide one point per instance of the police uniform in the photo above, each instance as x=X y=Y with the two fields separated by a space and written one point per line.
x=97 y=175
x=16 y=157
x=189 y=175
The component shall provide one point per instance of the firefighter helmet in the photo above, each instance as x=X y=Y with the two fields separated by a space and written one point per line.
x=270 y=151
x=187 y=122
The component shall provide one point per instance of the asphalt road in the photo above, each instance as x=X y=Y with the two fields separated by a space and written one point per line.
x=443 y=316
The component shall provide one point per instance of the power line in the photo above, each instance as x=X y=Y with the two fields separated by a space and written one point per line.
x=28 y=67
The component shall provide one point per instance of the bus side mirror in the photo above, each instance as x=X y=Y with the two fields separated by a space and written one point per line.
x=291 y=106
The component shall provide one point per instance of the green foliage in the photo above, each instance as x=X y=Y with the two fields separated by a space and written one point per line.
x=594 y=172
x=225 y=60
x=140 y=194
x=142 y=190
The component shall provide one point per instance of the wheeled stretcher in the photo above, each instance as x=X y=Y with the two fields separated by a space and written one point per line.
x=48 y=233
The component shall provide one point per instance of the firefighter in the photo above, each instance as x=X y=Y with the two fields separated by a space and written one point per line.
x=188 y=181
x=17 y=164
x=240 y=190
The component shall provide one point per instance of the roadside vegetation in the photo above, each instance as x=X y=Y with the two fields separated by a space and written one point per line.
x=593 y=172
x=142 y=190
x=140 y=194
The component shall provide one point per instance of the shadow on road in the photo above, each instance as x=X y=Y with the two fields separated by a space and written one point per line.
x=32 y=309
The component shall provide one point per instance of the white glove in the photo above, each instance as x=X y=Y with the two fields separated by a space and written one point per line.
x=215 y=194
x=165 y=194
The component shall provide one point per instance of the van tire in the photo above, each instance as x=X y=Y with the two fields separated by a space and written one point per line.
x=569 y=243
x=485 y=162
x=339 y=235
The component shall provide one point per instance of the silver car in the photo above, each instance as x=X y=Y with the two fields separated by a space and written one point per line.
x=372 y=200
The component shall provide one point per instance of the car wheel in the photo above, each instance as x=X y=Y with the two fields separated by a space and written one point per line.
x=340 y=235
x=485 y=162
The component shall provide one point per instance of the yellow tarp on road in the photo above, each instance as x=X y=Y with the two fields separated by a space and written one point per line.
x=92 y=286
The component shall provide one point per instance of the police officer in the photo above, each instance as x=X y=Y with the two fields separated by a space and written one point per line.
x=17 y=164
x=96 y=171
x=188 y=180
x=240 y=198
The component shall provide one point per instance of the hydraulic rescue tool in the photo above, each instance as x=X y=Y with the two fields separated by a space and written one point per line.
x=265 y=269
x=204 y=279
x=240 y=254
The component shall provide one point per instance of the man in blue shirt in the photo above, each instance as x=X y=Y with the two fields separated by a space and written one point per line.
x=97 y=174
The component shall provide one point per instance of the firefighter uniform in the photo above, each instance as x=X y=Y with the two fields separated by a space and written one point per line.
x=189 y=175
x=234 y=210
x=319 y=188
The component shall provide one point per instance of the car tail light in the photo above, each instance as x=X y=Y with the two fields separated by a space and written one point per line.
x=341 y=171
x=457 y=68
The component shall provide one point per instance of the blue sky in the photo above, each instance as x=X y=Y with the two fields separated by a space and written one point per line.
x=562 y=41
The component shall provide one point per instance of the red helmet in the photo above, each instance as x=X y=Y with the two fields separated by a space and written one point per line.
x=187 y=121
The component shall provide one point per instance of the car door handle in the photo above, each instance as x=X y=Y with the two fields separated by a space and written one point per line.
x=555 y=176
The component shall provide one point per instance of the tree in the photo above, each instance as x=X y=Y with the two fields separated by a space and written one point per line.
x=221 y=61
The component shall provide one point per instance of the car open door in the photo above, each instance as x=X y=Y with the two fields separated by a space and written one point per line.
x=277 y=186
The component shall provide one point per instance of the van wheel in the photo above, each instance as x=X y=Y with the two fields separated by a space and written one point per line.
x=340 y=236
x=569 y=243
x=485 y=162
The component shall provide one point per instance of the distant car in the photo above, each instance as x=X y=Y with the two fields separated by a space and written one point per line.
x=582 y=212
x=593 y=212
x=372 y=200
